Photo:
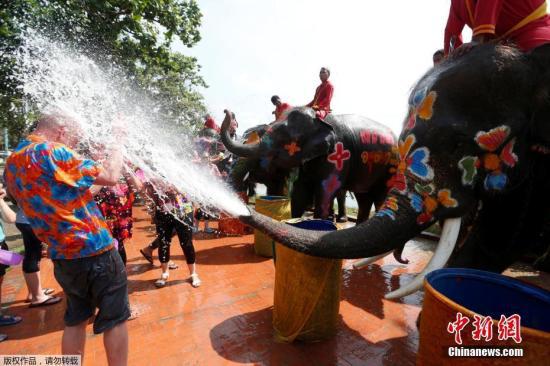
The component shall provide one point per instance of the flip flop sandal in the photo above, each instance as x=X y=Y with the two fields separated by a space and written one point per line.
x=146 y=256
x=161 y=282
x=195 y=280
x=9 y=319
x=49 y=301
x=46 y=291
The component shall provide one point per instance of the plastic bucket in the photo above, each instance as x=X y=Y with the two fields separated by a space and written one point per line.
x=276 y=207
x=232 y=226
x=10 y=258
x=449 y=291
x=307 y=291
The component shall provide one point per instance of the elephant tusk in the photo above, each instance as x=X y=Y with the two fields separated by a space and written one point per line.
x=366 y=261
x=444 y=249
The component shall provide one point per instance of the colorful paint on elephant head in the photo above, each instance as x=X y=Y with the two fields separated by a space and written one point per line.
x=292 y=148
x=421 y=106
x=425 y=201
x=493 y=162
x=415 y=163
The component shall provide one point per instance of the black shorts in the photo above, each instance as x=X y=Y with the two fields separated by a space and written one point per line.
x=90 y=282
x=3 y=267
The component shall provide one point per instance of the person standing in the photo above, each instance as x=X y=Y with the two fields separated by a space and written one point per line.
x=116 y=204
x=323 y=95
x=8 y=216
x=51 y=184
x=38 y=296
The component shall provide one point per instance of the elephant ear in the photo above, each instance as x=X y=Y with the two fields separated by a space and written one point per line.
x=540 y=123
x=320 y=143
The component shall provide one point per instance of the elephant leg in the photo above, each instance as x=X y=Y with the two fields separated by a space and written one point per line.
x=543 y=262
x=341 y=200
x=364 y=201
x=276 y=188
x=323 y=203
x=301 y=197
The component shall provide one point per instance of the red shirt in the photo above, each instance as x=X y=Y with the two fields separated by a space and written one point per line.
x=523 y=22
x=322 y=98
x=280 y=109
x=210 y=123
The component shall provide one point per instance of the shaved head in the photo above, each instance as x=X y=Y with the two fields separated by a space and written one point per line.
x=59 y=127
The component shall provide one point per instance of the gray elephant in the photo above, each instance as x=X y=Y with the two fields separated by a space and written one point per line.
x=343 y=152
x=478 y=130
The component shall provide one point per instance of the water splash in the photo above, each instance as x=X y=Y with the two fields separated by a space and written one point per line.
x=60 y=77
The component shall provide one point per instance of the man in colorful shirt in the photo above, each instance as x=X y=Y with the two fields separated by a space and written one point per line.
x=524 y=23
x=50 y=183
x=280 y=108
x=323 y=95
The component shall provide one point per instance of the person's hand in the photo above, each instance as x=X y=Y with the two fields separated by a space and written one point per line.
x=464 y=49
x=120 y=128
x=3 y=192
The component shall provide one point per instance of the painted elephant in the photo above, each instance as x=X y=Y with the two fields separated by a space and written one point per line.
x=344 y=152
x=248 y=171
x=477 y=132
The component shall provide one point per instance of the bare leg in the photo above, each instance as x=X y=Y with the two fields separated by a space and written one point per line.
x=35 y=287
x=195 y=280
x=74 y=339
x=115 y=341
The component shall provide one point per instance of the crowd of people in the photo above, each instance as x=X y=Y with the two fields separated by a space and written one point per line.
x=82 y=209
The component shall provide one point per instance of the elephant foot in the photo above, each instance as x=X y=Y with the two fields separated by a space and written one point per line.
x=543 y=263
x=342 y=218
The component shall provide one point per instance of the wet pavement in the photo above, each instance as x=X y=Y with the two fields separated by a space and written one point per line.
x=228 y=319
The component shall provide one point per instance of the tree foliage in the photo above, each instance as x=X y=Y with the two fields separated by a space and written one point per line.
x=137 y=33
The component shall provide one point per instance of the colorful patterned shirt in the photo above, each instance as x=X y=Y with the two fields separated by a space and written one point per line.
x=51 y=185
x=116 y=204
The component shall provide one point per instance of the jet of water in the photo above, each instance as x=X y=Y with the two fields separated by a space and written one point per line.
x=60 y=77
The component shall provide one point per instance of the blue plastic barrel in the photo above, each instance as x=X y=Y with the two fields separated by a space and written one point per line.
x=449 y=291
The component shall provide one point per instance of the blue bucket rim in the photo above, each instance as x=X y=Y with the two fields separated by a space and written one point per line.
x=273 y=198
x=510 y=282
x=298 y=220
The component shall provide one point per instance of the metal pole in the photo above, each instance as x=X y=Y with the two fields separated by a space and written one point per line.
x=6 y=140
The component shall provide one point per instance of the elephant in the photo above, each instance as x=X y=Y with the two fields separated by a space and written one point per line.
x=249 y=170
x=476 y=136
x=339 y=153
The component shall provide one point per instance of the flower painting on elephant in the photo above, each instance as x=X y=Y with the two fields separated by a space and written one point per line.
x=472 y=148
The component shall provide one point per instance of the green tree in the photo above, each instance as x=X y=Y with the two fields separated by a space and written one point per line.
x=138 y=34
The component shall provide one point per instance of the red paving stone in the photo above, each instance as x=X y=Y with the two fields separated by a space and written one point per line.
x=227 y=320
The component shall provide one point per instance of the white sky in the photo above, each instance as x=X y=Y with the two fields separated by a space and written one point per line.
x=376 y=50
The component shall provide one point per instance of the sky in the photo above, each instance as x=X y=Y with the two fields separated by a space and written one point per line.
x=376 y=51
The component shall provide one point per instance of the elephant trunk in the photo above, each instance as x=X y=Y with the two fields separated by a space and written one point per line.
x=245 y=150
x=374 y=237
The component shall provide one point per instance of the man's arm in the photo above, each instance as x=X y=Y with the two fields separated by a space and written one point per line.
x=453 y=29
x=310 y=104
x=112 y=169
x=485 y=20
